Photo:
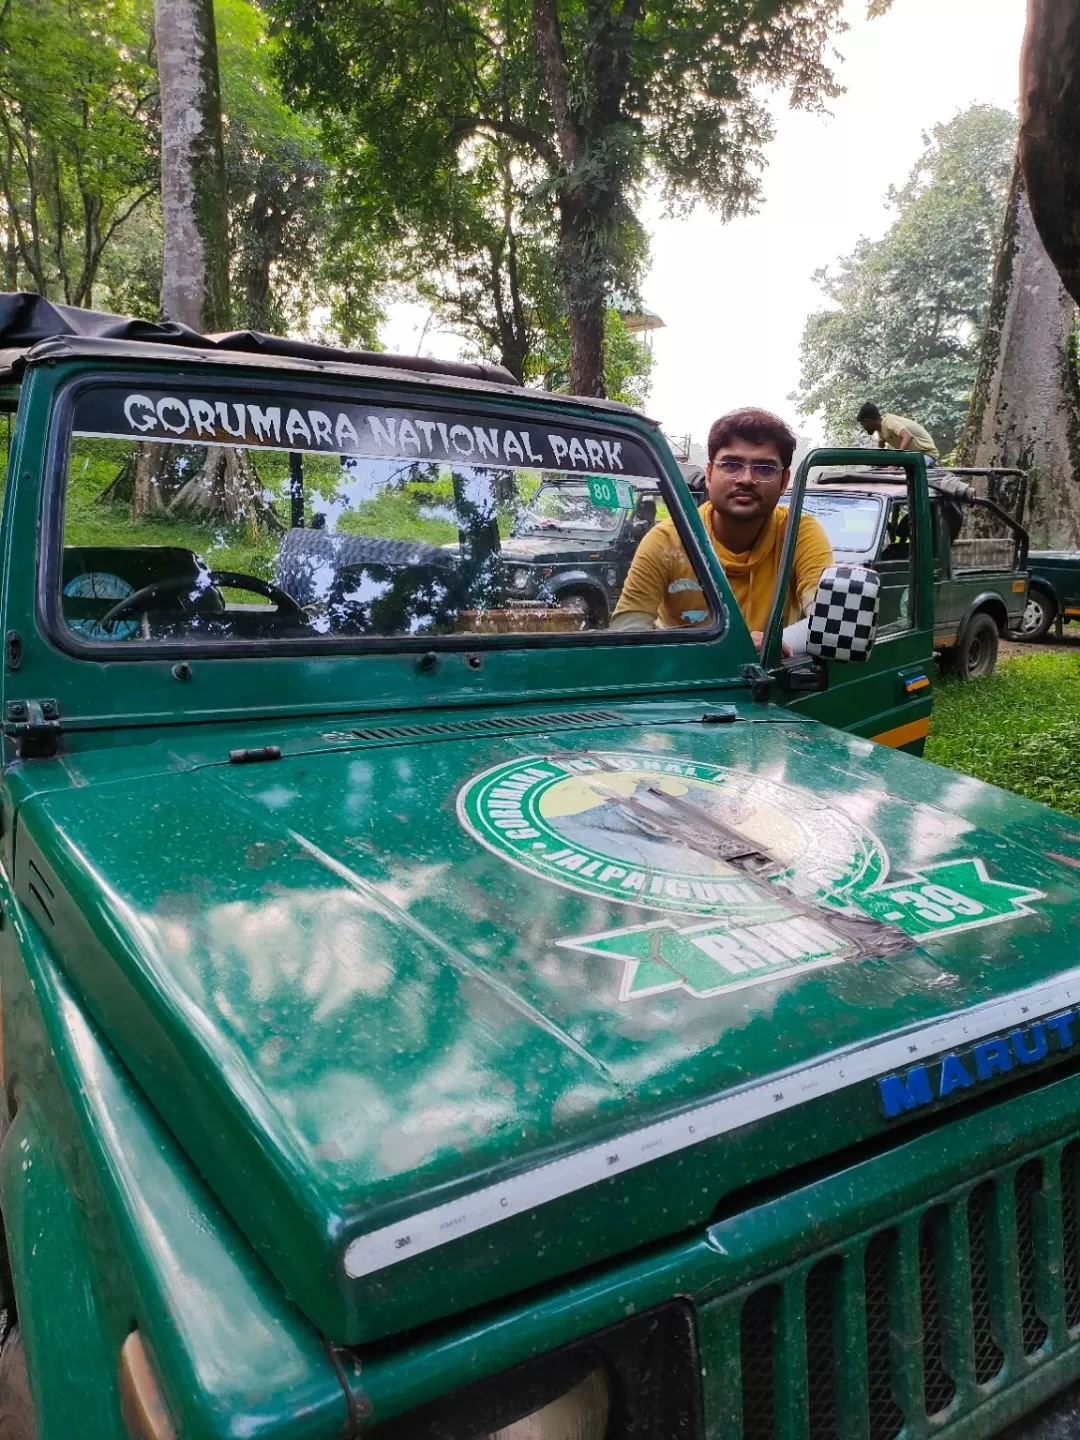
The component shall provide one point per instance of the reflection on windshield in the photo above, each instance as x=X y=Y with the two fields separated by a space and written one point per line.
x=177 y=539
x=850 y=521
x=567 y=508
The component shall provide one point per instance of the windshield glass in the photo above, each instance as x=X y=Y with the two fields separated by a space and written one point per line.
x=850 y=521
x=258 y=516
x=566 y=508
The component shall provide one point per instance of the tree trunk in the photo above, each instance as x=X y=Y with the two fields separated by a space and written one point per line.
x=227 y=487
x=1050 y=130
x=586 y=299
x=1025 y=407
x=581 y=214
x=194 y=200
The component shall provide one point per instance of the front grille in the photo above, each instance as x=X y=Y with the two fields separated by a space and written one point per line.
x=920 y=1321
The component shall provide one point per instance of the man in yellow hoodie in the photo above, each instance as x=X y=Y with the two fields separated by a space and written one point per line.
x=749 y=467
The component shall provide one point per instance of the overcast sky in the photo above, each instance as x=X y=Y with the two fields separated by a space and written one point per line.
x=734 y=297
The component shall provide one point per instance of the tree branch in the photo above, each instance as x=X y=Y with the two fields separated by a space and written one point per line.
x=549 y=44
x=532 y=139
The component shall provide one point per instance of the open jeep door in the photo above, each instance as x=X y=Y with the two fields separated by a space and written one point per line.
x=887 y=695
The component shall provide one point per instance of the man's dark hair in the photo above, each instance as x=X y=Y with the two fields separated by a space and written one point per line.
x=869 y=412
x=760 y=427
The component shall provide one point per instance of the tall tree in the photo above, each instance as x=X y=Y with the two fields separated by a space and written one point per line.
x=908 y=310
x=599 y=95
x=1050 y=130
x=294 y=253
x=194 y=197
x=78 y=138
x=485 y=261
x=1025 y=410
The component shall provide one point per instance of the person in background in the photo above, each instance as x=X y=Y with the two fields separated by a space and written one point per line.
x=896 y=433
x=749 y=467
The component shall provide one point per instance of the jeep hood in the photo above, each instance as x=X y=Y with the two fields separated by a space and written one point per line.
x=558 y=547
x=443 y=1014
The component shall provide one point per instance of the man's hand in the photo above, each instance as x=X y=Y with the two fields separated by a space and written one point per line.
x=759 y=640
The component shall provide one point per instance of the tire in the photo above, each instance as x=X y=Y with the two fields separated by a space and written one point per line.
x=1039 y=615
x=592 y=610
x=977 y=649
x=16 y=1407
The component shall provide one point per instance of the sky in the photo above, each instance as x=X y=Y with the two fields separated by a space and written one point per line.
x=734 y=298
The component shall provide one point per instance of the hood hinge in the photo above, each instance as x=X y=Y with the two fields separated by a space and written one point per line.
x=760 y=682
x=35 y=727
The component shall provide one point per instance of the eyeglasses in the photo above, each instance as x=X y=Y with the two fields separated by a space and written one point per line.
x=763 y=471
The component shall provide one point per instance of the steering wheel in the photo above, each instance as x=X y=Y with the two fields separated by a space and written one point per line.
x=140 y=601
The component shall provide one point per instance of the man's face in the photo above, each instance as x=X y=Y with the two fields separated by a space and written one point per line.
x=870 y=426
x=739 y=492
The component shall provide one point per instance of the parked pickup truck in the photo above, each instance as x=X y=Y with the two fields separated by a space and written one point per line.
x=1054 y=594
x=420 y=1024
x=980 y=578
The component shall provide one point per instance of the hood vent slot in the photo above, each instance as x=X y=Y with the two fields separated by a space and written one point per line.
x=496 y=725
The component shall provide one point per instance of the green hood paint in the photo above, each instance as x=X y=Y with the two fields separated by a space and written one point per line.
x=352 y=1012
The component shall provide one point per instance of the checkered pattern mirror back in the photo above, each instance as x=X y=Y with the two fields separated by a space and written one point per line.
x=844 y=619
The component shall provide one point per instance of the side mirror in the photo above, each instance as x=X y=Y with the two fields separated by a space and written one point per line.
x=844 y=620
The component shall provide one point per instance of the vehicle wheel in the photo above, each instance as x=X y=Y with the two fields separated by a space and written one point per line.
x=16 y=1407
x=1038 y=616
x=591 y=611
x=977 y=649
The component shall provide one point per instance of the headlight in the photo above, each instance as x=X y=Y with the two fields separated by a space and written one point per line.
x=638 y=1380
x=519 y=579
x=580 y=1414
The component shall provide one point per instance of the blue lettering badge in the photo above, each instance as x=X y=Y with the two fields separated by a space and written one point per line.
x=954 y=1076
x=899 y=1095
x=1037 y=1050
x=993 y=1058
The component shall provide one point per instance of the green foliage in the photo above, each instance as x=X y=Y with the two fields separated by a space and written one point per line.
x=1016 y=729
x=78 y=137
x=579 y=101
x=908 y=311
x=129 y=277
x=294 y=253
x=627 y=362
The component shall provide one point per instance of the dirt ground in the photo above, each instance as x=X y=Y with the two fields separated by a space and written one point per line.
x=1008 y=649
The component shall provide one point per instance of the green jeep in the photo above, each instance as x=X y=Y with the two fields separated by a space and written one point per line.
x=423 y=1021
x=572 y=544
x=980 y=556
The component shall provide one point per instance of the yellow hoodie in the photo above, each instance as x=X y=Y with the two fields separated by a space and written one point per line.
x=662 y=582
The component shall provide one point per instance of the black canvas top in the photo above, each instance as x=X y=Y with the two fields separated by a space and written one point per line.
x=27 y=319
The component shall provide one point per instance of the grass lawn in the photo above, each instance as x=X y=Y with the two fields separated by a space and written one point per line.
x=1019 y=729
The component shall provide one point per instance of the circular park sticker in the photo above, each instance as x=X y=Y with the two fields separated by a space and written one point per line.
x=670 y=834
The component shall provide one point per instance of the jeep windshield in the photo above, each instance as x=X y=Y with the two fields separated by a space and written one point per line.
x=566 y=509
x=260 y=515
x=850 y=521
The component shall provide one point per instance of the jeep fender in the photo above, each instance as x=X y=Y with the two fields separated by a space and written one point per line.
x=1039 y=582
x=989 y=603
x=233 y=1356
x=579 y=581
x=62 y=1322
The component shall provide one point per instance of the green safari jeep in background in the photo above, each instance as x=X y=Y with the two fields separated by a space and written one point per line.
x=1054 y=597
x=430 y=1018
x=979 y=556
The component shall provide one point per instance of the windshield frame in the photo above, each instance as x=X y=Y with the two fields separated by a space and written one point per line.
x=49 y=558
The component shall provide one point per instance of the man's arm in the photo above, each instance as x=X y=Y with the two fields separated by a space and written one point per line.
x=812 y=553
x=646 y=584
x=906 y=439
